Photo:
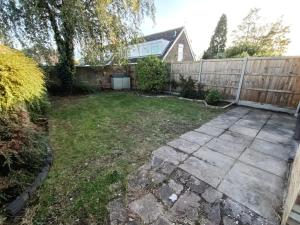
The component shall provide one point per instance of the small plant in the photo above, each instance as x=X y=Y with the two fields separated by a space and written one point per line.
x=174 y=84
x=83 y=89
x=213 y=97
x=187 y=87
x=151 y=74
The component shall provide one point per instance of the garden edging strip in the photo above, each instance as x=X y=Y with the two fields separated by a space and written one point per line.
x=15 y=206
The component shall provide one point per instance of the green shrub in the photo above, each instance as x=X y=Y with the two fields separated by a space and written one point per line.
x=213 y=97
x=21 y=80
x=189 y=88
x=39 y=107
x=151 y=74
x=83 y=89
x=22 y=143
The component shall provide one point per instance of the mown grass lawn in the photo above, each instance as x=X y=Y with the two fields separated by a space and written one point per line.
x=97 y=140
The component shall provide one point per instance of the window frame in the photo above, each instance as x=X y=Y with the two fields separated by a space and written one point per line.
x=180 y=52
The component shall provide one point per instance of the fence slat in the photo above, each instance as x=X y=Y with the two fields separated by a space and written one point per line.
x=241 y=81
x=266 y=80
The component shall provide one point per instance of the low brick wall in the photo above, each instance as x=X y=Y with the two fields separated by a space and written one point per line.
x=95 y=76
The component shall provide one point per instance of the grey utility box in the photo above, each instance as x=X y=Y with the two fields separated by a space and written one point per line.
x=120 y=81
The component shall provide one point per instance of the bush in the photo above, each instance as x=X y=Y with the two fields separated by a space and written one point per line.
x=189 y=88
x=83 y=89
x=151 y=74
x=213 y=97
x=38 y=108
x=22 y=100
x=21 y=80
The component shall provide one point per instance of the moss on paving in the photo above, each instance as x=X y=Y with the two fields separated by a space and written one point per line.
x=97 y=140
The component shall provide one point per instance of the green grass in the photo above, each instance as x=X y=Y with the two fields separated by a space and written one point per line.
x=97 y=140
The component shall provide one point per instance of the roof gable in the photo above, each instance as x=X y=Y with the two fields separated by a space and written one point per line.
x=169 y=35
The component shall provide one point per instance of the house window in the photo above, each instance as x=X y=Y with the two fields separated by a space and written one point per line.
x=180 y=52
x=155 y=49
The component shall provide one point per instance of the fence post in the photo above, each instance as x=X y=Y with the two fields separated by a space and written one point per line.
x=200 y=70
x=241 y=80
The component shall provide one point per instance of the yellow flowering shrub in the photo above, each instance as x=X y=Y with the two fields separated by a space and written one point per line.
x=21 y=80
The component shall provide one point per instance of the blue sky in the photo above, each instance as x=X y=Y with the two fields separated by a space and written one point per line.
x=201 y=16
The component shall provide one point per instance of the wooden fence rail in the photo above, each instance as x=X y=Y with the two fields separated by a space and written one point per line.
x=266 y=82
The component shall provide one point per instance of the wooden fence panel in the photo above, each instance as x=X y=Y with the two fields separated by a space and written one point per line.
x=273 y=81
x=222 y=75
x=267 y=80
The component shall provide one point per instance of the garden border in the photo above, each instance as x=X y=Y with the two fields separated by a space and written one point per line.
x=14 y=207
x=230 y=103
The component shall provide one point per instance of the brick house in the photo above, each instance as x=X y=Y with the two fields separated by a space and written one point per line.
x=171 y=46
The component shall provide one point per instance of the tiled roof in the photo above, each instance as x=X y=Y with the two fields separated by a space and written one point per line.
x=169 y=35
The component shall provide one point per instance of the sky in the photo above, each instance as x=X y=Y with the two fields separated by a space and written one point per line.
x=200 y=18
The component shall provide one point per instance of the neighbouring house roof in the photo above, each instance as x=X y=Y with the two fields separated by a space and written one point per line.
x=164 y=40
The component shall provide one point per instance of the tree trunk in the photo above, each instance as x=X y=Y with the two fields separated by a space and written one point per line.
x=66 y=70
x=66 y=62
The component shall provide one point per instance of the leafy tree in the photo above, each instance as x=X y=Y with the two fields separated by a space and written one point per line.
x=218 y=41
x=102 y=25
x=253 y=39
x=42 y=55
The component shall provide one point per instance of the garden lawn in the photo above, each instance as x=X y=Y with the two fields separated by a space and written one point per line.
x=97 y=140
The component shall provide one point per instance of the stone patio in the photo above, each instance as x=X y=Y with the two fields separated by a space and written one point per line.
x=231 y=170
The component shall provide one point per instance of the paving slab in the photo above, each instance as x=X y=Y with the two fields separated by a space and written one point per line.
x=284 y=120
x=258 y=190
x=250 y=123
x=279 y=129
x=184 y=145
x=205 y=171
x=226 y=117
x=196 y=185
x=169 y=154
x=176 y=187
x=265 y=162
x=228 y=148
x=273 y=136
x=147 y=207
x=238 y=138
x=162 y=221
x=258 y=115
x=237 y=112
x=212 y=131
x=196 y=137
x=222 y=122
x=185 y=210
x=276 y=150
x=244 y=130
x=214 y=158
x=211 y=195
